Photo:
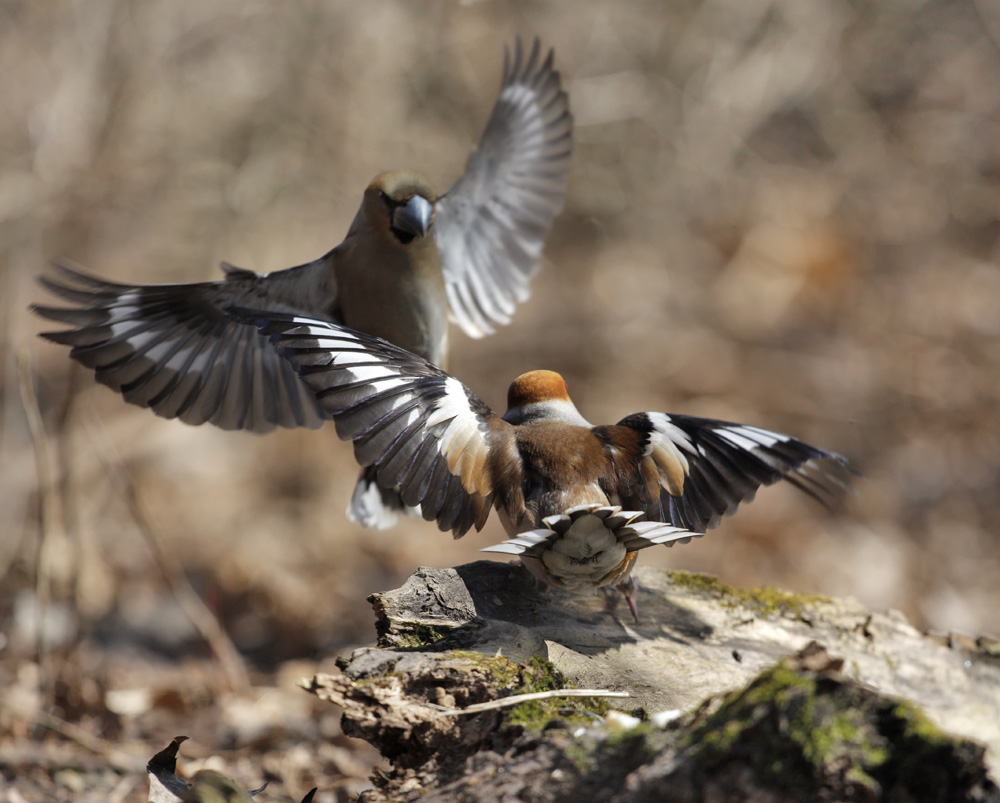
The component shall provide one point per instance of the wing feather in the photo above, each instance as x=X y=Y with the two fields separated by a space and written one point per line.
x=424 y=432
x=173 y=349
x=707 y=468
x=491 y=225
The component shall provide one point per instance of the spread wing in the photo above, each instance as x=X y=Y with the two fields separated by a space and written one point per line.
x=490 y=227
x=172 y=348
x=706 y=468
x=424 y=431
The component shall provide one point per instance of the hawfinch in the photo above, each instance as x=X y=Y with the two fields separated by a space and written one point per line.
x=577 y=500
x=411 y=259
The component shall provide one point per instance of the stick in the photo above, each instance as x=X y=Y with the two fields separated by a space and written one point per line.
x=49 y=513
x=516 y=699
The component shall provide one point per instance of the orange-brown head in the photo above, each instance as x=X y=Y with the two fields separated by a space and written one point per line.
x=539 y=395
x=536 y=386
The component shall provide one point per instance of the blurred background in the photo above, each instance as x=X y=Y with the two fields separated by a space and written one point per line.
x=779 y=213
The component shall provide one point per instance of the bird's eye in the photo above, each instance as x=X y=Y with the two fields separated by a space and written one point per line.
x=385 y=198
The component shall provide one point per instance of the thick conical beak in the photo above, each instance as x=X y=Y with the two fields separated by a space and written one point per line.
x=414 y=217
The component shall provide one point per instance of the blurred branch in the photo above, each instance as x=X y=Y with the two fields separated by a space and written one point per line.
x=49 y=517
x=11 y=368
x=230 y=661
x=5 y=338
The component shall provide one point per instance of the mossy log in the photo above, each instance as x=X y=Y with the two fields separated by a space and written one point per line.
x=734 y=695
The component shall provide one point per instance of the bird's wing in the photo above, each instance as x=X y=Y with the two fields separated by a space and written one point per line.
x=708 y=467
x=490 y=227
x=172 y=348
x=424 y=431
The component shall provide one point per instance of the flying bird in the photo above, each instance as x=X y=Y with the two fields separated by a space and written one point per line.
x=578 y=501
x=411 y=260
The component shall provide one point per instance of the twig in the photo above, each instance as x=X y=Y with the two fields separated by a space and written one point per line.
x=233 y=669
x=516 y=699
x=49 y=513
x=5 y=338
x=67 y=498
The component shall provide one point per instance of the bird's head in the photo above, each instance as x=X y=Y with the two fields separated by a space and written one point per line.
x=537 y=386
x=401 y=204
x=541 y=395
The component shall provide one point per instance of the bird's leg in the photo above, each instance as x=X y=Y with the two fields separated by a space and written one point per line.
x=628 y=587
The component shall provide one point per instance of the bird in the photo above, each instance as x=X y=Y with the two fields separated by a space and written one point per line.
x=578 y=501
x=411 y=260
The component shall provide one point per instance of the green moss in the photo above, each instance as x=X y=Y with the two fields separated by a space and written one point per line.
x=538 y=675
x=504 y=672
x=926 y=759
x=916 y=725
x=764 y=601
x=790 y=719
x=799 y=729
x=414 y=636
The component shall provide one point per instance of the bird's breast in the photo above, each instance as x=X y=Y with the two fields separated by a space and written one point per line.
x=397 y=294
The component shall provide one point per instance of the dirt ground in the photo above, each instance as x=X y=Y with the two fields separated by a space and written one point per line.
x=779 y=213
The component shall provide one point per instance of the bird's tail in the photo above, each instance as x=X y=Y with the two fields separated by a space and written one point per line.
x=374 y=506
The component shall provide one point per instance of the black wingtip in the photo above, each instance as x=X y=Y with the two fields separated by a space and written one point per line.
x=70 y=315
x=74 y=273
x=65 y=338
x=43 y=311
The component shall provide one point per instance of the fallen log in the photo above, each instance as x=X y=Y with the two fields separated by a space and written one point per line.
x=733 y=694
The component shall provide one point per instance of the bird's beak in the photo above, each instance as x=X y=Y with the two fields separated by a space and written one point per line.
x=413 y=218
